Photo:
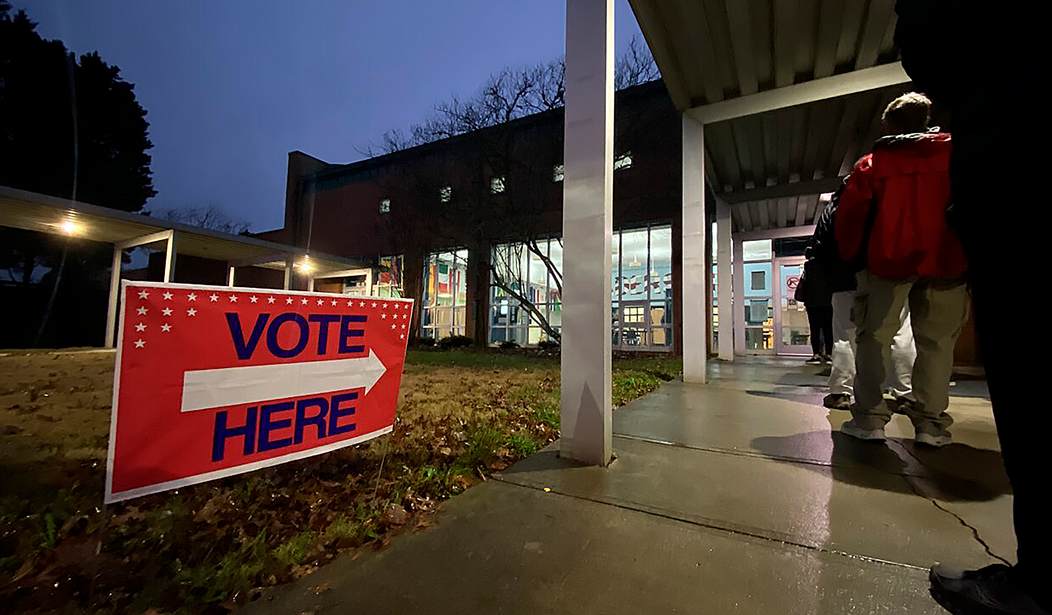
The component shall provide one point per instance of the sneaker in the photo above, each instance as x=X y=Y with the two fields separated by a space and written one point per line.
x=827 y=359
x=850 y=428
x=934 y=440
x=837 y=401
x=992 y=590
x=814 y=360
x=901 y=405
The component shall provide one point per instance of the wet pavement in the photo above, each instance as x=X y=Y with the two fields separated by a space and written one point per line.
x=735 y=497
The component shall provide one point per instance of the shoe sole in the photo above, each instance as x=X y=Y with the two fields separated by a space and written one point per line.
x=933 y=443
x=952 y=602
x=864 y=437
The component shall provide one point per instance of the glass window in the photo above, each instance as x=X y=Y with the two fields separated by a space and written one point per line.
x=624 y=161
x=641 y=291
x=496 y=184
x=759 y=250
x=445 y=294
x=389 y=281
x=525 y=295
x=758 y=279
x=445 y=194
x=558 y=173
x=385 y=206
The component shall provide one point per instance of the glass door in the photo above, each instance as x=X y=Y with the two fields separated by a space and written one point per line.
x=792 y=332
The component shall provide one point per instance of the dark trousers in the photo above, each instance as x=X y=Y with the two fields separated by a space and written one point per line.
x=998 y=249
x=820 y=318
x=1020 y=411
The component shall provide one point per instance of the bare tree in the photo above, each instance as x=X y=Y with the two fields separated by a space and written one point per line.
x=503 y=149
x=635 y=66
x=209 y=216
x=510 y=94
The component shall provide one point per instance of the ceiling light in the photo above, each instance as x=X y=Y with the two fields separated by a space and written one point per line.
x=69 y=227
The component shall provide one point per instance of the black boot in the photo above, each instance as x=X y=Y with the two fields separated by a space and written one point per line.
x=993 y=590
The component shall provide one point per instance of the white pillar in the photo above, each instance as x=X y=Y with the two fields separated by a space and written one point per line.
x=739 y=296
x=230 y=276
x=695 y=274
x=169 y=258
x=111 y=306
x=587 y=229
x=288 y=273
x=310 y=284
x=726 y=303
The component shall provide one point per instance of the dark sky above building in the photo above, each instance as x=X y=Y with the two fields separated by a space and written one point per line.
x=231 y=87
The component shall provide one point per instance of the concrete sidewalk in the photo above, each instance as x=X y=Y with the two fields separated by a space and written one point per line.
x=735 y=497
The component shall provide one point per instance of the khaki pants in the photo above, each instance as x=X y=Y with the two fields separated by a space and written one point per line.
x=938 y=310
x=842 y=370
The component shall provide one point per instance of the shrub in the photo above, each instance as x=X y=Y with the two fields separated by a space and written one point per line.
x=455 y=341
x=509 y=345
x=548 y=345
x=425 y=341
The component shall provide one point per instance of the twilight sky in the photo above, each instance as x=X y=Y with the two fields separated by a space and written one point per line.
x=230 y=87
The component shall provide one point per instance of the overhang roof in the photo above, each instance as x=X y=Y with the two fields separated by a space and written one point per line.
x=775 y=82
x=39 y=212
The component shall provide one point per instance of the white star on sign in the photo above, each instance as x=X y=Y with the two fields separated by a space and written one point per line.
x=393 y=326
x=167 y=296
x=214 y=297
x=270 y=299
x=333 y=302
x=303 y=301
x=142 y=311
x=140 y=327
x=403 y=326
x=350 y=304
x=167 y=311
x=361 y=304
x=321 y=301
x=233 y=298
x=254 y=299
x=166 y=327
x=374 y=304
x=191 y=297
x=191 y=312
x=139 y=343
x=144 y=294
x=401 y=337
x=385 y=306
x=383 y=315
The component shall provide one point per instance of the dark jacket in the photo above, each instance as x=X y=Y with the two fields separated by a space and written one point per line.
x=892 y=210
x=839 y=274
x=945 y=44
x=813 y=289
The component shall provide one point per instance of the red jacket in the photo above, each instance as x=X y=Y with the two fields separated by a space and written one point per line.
x=907 y=179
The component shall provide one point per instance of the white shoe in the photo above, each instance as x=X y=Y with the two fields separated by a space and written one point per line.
x=933 y=440
x=850 y=428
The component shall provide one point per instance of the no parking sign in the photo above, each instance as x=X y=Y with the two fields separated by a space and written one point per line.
x=210 y=382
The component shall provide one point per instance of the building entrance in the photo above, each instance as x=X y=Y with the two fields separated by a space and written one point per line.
x=792 y=333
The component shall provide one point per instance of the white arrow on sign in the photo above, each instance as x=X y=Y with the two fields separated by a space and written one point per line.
x=231 y=386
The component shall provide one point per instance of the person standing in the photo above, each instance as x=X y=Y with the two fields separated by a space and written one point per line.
x=841 y=279
x=892 y=220
x=814 y=292
x=970 y=58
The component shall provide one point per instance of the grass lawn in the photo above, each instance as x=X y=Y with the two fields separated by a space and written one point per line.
x=462 y=415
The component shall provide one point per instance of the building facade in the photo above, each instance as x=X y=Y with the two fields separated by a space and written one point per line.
x=469 y=227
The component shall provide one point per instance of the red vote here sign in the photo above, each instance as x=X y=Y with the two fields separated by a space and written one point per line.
x=211 y=382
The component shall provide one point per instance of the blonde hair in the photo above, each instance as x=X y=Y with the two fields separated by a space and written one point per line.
x=908 y=113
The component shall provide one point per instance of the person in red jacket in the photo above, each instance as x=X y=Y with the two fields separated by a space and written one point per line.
x=891 y=222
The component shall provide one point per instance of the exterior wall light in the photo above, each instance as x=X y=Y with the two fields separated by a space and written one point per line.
x=69 y=227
